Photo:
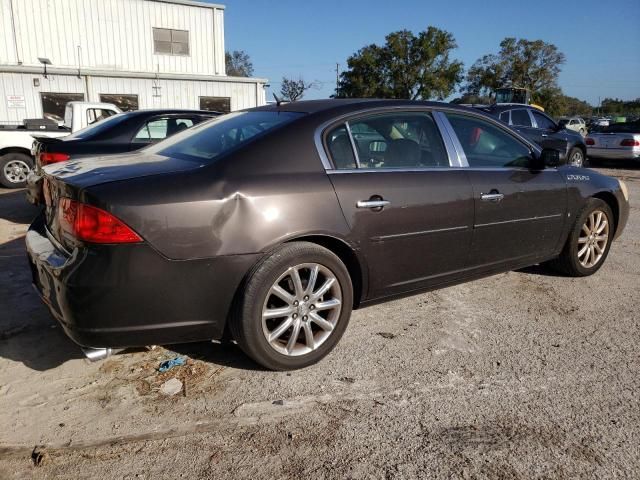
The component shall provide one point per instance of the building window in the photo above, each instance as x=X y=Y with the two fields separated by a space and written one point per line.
x=171 y=42
x=125 y=103
x=216 y=104
x=53 y=104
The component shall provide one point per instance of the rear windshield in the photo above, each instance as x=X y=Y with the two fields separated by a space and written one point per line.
x=98 y=127
x=208 y=140
x=631 y=127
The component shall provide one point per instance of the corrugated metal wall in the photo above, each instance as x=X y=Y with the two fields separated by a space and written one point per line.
x=112 y=35
x=173 y=93
x=21 y=84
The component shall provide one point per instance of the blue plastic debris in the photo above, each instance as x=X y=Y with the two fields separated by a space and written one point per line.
x=169 y=364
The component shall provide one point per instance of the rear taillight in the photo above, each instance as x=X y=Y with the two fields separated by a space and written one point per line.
x=630 y=142
x=589 y=141
x=91 y=224
x=47 y=158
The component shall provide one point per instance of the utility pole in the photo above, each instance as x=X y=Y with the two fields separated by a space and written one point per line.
x=337 y=77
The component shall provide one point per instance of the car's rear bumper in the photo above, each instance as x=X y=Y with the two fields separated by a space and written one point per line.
x=129 y=295
x=614 y=153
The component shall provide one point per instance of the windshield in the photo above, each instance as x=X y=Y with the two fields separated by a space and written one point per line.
x=98 y=127
x=208 y=140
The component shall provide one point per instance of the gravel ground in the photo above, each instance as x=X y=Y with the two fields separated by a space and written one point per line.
x=521 y=375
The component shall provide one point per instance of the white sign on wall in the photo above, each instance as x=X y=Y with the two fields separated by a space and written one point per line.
x=16 y=101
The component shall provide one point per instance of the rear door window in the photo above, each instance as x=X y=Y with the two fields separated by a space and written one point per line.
x=97 y=114
x=161 y=128
x=520 y=118
x=391 y=140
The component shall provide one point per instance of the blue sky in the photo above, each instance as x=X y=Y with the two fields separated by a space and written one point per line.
x=601 y=39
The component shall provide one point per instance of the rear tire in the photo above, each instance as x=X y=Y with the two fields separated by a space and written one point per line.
x=587 y=238
x=14 y=168
x=300 y=323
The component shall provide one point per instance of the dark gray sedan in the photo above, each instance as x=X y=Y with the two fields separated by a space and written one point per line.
x=272 y=224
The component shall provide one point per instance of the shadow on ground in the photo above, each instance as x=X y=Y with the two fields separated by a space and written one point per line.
x=541 y=270
x=15 y=208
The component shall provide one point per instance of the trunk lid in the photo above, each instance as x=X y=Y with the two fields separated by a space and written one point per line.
x=69 y=179
x=88 y=172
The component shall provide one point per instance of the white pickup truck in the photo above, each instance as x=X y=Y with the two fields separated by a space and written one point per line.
x=15 y=140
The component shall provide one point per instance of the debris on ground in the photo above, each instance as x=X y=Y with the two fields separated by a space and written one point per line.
x=347 y=380
x=169 y=364
x=387 y=335
x=39 y=456
x=171 y=387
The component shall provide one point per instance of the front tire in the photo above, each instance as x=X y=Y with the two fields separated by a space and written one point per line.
x=14 y=168
x=589 y=241
x=577 y=158
x=295 y=306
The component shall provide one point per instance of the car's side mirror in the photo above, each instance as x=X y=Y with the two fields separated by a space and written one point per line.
x=549 y=157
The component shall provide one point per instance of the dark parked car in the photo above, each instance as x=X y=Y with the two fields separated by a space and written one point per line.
x=273 y=223
x=543 y=130
x=120 y=133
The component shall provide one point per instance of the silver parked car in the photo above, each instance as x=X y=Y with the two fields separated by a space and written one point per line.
x=620 y=141
x=576 y=124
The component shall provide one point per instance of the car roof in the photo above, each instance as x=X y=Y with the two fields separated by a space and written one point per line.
x=168 y=111
x=501 y=107
x=326 y=105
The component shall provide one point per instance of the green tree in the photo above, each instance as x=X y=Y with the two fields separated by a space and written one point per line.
x=470 y=98
x=238 y=64
x=406 y=66
x=612 y=106
x=292 y=90
x=532 y=64
x=557 y=104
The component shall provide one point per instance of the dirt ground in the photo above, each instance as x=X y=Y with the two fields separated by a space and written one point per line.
x=522 y=375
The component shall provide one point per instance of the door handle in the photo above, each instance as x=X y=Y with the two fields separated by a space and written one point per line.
x=372 y=203
x=493 y=197
x=544 y=135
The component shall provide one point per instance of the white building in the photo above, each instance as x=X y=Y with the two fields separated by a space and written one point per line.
x=134 y=53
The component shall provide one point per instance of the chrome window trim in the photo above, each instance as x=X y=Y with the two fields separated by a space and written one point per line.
x=459 y=159
x=354 y=147
x=534 y=122
x=339 y=171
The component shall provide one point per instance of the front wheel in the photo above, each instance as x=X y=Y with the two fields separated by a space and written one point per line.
x=295 y=306
x=14 y=168
x=577 y=158
x=589 y=241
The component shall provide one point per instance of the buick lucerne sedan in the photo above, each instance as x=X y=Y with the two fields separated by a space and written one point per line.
x=269 y=225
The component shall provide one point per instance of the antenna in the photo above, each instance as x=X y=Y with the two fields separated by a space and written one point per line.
x=279 y=101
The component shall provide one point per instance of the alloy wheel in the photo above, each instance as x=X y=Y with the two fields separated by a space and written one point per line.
x=577 y=159
x=16 y=171
x=302 y=309
x=593 y=239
